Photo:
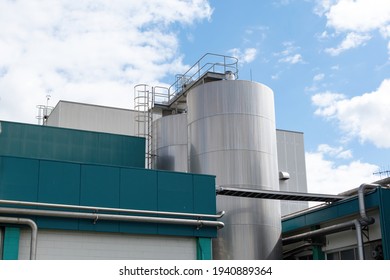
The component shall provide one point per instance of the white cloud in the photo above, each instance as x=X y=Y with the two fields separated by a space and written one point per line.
x=351 y=41
x=289 y=54
x=322 y=6
x=366 y=116
x=326 y=103
x=292 y=59
x=319 y=77
x=91 y=51
x=246 y=56
x=336 y=152
x=325 y=176
x=357 y=18
x=358 y=15
x=335 y=67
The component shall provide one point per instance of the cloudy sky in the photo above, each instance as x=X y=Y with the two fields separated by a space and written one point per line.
x=328 y=62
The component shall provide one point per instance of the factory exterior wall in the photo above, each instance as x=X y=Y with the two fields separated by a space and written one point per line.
x=291 y=159
x=93 y=118
x=43 y=142
x=108 y=186
x=68 y=245
x=378 y=206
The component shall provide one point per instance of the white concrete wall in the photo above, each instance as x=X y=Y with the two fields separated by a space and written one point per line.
x=77 y=245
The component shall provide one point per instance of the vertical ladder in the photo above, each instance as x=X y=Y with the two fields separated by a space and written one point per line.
x=143 y=104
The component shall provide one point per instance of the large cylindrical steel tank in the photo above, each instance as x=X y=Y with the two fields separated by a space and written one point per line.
x=169 y=138
x=231 y=134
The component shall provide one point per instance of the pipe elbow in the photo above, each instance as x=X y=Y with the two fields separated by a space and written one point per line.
x=221 y=214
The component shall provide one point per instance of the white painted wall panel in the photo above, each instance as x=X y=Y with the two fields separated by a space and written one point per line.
x=77 y=245
x=93 y=118
x=291 y=159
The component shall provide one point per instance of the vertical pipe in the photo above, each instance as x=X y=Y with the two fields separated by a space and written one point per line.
x=359 y=238
x=362 y=206
x=34 y=232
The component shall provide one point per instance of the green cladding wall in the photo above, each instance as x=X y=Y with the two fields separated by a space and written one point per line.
x=53 y=143
x=61 y=182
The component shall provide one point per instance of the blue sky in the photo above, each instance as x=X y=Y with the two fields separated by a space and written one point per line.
x=327 y=62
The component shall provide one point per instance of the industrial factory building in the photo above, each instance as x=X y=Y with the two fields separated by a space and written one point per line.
x=197 y=170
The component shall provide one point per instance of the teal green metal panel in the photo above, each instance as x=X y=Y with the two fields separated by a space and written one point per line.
x=59 y=182
x=204 y=249
x=138 y=190
x=294 y=223
x=99 y=187
x=175 y=193
x=204 y=201
x=385 y=222
x=108 y=186
x=53 y=143
x=18 y=178
x=11 y=243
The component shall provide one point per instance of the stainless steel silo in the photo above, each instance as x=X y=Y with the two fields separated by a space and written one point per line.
x=169 y=138
x=231 y=134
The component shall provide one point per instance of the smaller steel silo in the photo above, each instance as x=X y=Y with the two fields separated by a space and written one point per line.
x=169 y=148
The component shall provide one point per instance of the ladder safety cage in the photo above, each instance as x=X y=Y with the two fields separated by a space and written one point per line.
x=143 y=104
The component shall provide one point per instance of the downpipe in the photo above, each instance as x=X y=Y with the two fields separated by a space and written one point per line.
x=34 y=232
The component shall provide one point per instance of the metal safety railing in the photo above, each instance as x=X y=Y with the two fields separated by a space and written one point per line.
x=210 y=62
x=145 y=96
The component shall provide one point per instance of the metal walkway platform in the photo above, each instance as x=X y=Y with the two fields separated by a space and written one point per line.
x=280 y=195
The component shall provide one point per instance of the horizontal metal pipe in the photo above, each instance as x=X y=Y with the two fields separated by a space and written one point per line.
x=318 y=232
x=106 y=209
x=34 y=231
x=111 y=217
